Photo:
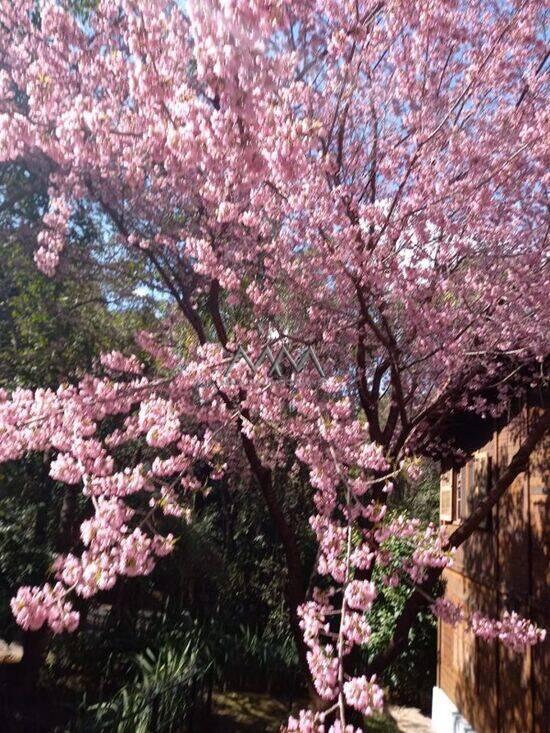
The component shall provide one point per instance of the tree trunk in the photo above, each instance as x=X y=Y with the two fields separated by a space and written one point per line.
x=296 y=586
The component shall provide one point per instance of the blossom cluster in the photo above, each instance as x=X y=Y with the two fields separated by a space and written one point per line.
x=310 y=722
x=449 y=612
x=364 y=694
x=360 y=594
x=33 y=606
x=515 y=632
x=117 y=362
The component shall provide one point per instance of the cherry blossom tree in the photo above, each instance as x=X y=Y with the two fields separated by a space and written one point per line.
x=365 y=178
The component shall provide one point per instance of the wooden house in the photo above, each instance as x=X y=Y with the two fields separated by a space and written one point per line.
x=505 y=565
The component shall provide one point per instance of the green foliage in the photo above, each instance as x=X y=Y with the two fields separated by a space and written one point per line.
x=249 y=658
x=411 y=677
x=161 y=689
x=252 y=585
x=52 y=330
x=380 y=724
x=29 y=515
x=419 y=498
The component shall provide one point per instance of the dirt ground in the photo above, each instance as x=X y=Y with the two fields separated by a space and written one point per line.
x=248 y=712
x=238 y=712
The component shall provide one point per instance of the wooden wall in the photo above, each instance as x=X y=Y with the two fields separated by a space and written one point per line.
x=504 y=566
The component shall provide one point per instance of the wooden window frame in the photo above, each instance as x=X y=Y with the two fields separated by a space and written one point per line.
x=462 y=486
x=447 y=486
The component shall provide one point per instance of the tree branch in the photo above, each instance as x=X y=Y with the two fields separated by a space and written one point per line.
x=213 y=306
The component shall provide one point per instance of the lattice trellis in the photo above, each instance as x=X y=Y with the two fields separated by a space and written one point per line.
x=277 y=361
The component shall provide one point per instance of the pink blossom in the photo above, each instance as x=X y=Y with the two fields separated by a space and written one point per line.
x=515 y=632
x=364 y=695
x=115 y=361
x=360 y=594
x=33 y=606
x=356 y=628
x=324 y=669
x=306 y=722
x=313 y=621
x=337 y=727
x=447 y=611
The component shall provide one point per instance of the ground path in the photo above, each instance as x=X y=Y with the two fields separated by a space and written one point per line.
x=410 y=720
x=238 y=712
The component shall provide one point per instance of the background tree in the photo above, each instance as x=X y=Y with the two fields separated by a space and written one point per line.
x=51 y=331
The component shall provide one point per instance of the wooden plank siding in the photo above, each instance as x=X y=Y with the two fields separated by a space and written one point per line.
x=504 y=565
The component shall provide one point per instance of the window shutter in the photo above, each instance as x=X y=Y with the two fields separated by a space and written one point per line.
x=461 y=492
x=446 y=496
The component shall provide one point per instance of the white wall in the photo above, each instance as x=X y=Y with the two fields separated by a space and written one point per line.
x=445 y=715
